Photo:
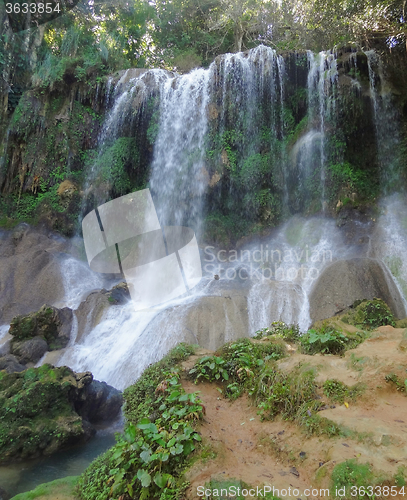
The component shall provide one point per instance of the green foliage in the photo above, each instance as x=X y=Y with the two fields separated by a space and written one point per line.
x=324 y=340
x=352 y=473
x=289 y=333
x=238 y=364
x=369 y=314
x=328 y=340
x=339 y=392
x=140 y=398
x=115 y=162
x=211 y=368
x=223 y=229
x=400 y=477
x=148 y=458
x=291 y=395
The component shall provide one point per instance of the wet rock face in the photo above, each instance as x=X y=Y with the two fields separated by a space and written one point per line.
x=30 y=351
x=346 y=281
x=101 y=403
x=45 y=409
x=29 y=271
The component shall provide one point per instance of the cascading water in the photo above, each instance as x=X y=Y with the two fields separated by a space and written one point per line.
x=386 y=122
x=322 y=85
x=177 y=180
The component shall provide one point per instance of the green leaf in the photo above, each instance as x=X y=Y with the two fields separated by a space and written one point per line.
x=144 y=477
x=145 y=456
x=160 y=480
x=150 y=426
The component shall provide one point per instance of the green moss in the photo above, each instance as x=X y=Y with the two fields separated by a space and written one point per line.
x=36 y=412
x=43 y=323
x=51 y=490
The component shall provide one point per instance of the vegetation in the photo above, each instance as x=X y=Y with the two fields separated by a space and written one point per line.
x=352 y=473
x=329 y=340
x=339 y=392
x=369 y=314
x=278 y=329
x=50 y=490
x=238 y=365
x=37 y=412
x=394 y=379
x=149 y=457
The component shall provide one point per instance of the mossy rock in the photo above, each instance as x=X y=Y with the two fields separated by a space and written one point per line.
x=37 y=412
x=369 y=314
x=49 y=323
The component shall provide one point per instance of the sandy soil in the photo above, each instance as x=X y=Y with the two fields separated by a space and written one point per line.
x=279 y=454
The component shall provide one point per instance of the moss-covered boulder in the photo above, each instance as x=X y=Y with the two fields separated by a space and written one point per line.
x=369 y=314
x=41 y=411
x=49 y=323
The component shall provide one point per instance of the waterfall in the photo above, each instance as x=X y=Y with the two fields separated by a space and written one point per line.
x=236 y=94
x=179 y=177
x=177 y=180
x=386 y=122
x=322 y=83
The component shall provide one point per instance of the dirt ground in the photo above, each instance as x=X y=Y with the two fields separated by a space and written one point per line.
x=278 y=453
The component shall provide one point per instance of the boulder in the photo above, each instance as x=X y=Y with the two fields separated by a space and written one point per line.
x=345 y=281
x=208 y=321
x=49 y=323
x=91 y=310
x=30 y=351
x=11 y=364
x=30 y=273
x=42 y=410
x=101 y=403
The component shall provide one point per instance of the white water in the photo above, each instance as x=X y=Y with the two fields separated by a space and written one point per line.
x=389 y=240
x=322 y=83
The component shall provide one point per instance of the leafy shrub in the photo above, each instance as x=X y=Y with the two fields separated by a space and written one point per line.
x=369 y=314
x=326 y=340
x=148 y=459
x=211 y=368
x=290 y=333
x=140 y=397
x=329 y=340
x=340 y=392
x=239 y=363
